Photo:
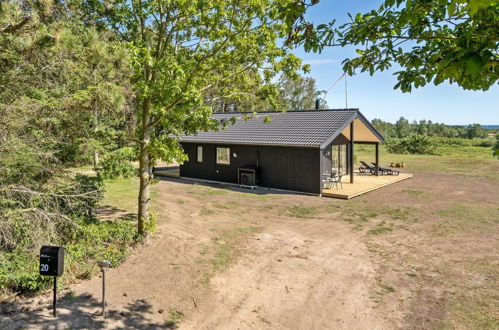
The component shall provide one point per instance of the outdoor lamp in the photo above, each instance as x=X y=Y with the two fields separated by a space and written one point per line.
x=104 y=265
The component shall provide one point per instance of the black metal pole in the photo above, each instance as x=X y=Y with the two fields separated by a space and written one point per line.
x=352 y=139
x=377 y=158
x=104 y=293
x=55 y=295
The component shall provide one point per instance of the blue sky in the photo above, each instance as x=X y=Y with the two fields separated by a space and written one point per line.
x=375 y=96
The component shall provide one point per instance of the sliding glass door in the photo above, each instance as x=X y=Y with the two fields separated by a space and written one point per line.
x=339 y=158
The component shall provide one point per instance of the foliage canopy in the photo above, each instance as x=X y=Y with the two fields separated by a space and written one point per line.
x=431 y=41
x=179 y=50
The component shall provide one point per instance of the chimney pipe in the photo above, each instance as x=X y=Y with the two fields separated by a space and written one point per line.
x=317 y=104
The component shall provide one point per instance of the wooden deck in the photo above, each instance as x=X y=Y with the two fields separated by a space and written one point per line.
x=363 y=184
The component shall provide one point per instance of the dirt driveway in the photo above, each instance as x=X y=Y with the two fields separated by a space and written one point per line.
x=230 y=259
x=294 y=277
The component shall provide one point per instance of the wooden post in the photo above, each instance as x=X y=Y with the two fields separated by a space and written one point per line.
x=352 y=138
x=377 y=158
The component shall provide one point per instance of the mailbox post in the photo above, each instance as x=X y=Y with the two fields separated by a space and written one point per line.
x=52 y=264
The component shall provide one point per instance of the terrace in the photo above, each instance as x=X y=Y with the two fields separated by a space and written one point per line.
x=363 y=184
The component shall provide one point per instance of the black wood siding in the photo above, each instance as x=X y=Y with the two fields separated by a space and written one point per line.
x=279 y=167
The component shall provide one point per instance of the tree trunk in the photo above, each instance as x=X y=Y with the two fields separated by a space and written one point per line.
x=144 y=191
x=144 y=168
x=96 y=128
x=96 y=159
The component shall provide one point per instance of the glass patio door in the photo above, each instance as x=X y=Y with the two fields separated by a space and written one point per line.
x=339 y=158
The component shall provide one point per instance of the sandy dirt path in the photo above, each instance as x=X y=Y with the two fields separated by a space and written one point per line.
x=292 y=274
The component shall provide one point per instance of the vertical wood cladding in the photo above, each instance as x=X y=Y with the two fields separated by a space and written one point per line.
x=288 y=168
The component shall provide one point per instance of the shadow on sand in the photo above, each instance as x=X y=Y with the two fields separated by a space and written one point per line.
x=83 y=312
x=107 y=212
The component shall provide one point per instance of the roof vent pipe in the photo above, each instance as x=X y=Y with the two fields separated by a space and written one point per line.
x=317 y=104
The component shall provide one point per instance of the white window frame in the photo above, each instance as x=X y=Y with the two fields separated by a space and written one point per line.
x=223 y=151
x=199 y=154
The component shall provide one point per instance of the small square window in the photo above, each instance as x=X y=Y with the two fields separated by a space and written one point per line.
x=199 y=154
x=223 y=156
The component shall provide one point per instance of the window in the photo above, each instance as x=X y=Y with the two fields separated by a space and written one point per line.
x=199 y=155
x=223 y=156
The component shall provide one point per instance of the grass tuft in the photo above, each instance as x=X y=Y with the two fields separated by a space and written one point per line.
x=298 y=211
x=175 y=317
x=379 y=229
x=206 y=212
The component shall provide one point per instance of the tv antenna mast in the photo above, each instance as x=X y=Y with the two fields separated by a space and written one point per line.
x=344 y=75
x=346 y=91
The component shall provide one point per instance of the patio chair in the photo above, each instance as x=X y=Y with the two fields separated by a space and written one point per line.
x=387 y=171
x=365 y=168
x=326 y=181
x=335 y=180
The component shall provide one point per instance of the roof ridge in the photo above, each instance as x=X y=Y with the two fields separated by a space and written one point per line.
x=276 y=112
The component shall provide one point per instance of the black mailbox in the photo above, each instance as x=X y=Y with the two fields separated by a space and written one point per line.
x=51 y=260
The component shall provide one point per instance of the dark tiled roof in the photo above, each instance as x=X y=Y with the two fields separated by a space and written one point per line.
x=293 y=128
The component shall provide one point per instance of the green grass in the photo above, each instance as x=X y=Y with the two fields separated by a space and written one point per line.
x=483 y=213
x=364 y=217
x=224 y=249
x=257 y=196
x=462 y=160
x=206 y=212
x=230 y=205
x=122 y=194
x=201 y=190
x=462 y=217
x=379 y=229
x=396 y=214
x=70 y=296
x=204 y=250
x=413 y=192
x=174 y=318
x=298 y=211
x=464 y=152
x=386 y=288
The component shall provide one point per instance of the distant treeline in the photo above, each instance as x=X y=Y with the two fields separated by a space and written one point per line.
x=403 y=128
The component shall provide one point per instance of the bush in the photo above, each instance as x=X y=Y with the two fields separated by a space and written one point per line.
x=496 y=147
x=94 y=241
x=486 y=143
x=58 y=215
x=475 y=142
x=414 y=144
x=33 y=217
x=19 y=273
x=445 y=141
x=118 y=163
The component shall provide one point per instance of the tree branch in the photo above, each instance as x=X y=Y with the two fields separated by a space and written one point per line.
x=13 y=28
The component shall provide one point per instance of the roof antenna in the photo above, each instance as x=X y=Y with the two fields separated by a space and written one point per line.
x=346 y=92
x=343 y=75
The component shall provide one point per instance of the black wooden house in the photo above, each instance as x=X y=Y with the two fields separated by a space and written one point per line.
x=284 y=150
